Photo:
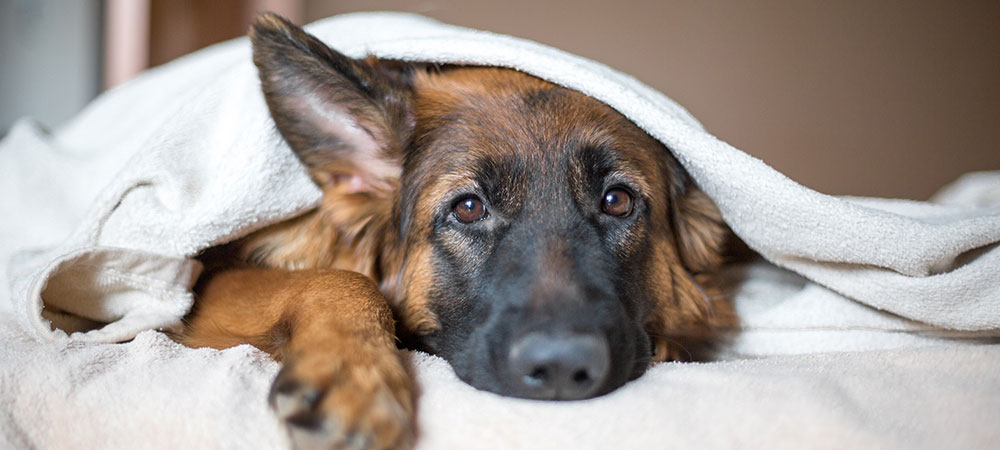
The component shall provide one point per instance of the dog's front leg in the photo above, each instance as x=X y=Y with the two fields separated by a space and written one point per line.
x=343 y=384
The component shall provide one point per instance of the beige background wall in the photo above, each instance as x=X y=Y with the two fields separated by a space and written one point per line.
x=886 y=98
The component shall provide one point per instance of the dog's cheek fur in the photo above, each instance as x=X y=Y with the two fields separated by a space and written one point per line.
x=412 y=298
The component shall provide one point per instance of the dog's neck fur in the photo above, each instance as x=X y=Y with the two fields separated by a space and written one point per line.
x=349 y=231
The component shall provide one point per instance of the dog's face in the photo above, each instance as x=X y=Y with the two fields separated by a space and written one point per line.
x=535 y=209
x=532 y=236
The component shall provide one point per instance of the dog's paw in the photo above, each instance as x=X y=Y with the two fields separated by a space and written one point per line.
x=335 y=403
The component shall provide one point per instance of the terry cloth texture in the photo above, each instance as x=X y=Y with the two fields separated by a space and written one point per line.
x=103 y=216
x=151 y=393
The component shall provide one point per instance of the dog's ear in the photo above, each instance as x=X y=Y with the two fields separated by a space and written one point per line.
x=687 y=327
x=348 y=120
x=700 y=232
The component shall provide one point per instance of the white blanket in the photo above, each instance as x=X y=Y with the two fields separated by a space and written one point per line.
x=153 y=393
x=102 y=216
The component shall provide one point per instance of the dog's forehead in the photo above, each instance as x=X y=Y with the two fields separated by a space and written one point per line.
x=500 y=118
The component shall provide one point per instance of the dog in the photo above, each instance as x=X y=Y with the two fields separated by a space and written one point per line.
x=533 y=237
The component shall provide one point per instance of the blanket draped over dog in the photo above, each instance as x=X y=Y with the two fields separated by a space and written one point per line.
x=103 y=216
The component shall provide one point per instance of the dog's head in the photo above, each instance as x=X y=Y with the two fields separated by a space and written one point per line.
x=532 y=236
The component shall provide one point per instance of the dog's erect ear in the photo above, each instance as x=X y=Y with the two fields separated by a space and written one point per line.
x=348 y=120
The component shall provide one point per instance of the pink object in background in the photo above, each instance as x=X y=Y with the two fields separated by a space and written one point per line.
x=128 y=33
x=126 y=40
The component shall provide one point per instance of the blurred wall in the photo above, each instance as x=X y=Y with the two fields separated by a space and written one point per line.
x=888 y=98
x=179 y=26
x=49 y=59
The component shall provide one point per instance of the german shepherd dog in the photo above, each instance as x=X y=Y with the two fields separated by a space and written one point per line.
x=532 y=236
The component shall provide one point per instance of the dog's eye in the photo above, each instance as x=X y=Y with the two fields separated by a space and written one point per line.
x=469 y=209
x=617 y=202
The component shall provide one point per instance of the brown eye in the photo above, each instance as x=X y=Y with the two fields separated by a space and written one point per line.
x=617 y=202
x=469 y=209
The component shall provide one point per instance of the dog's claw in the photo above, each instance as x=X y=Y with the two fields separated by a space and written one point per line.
x=343 y=406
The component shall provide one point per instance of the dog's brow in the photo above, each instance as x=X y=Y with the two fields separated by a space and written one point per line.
x=604 y=163
x=630 y=177
x=498 y=175
x=448 y=183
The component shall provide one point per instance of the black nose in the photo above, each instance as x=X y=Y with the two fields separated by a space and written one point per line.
x=564 y=366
